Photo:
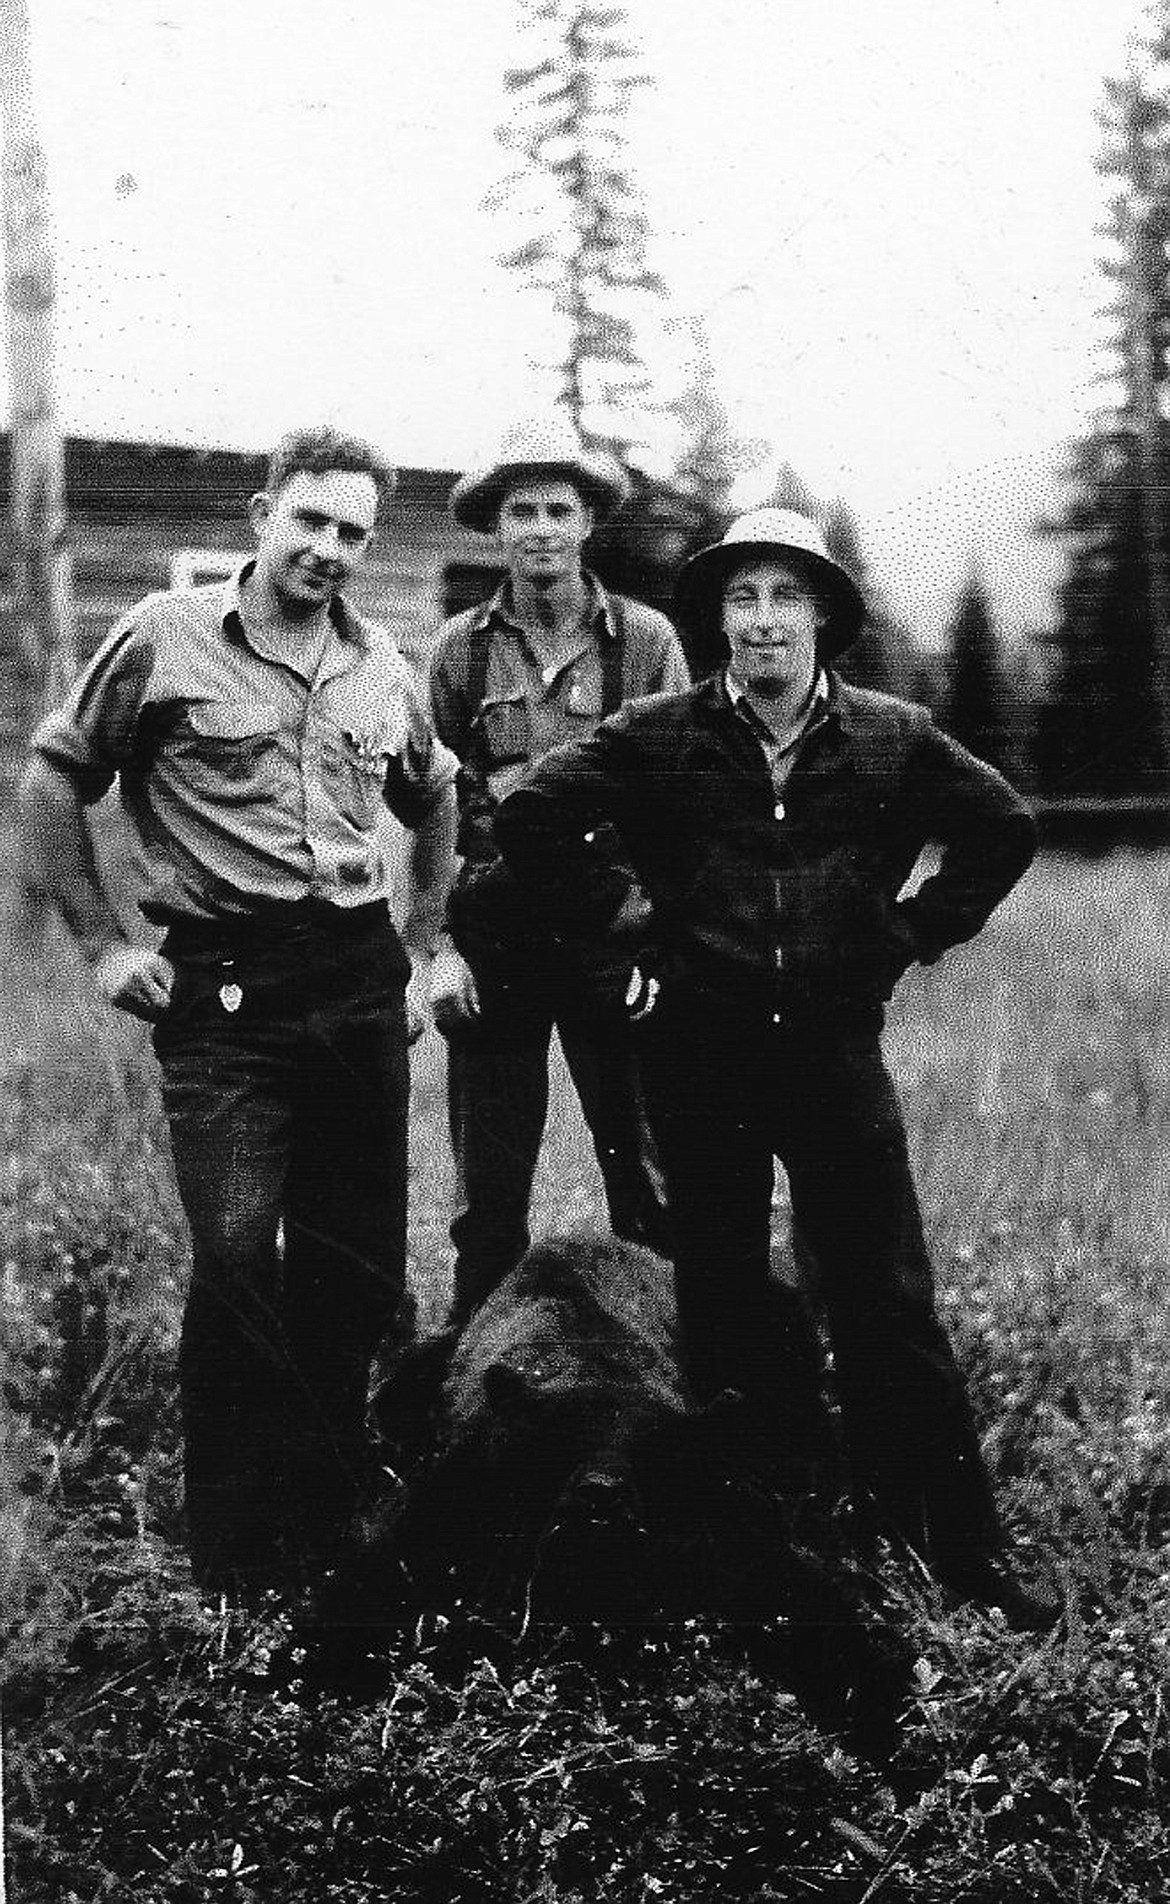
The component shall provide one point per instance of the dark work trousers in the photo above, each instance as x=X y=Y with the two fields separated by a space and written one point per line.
x=498 y=1071
x=290 y=1110
x=723 y=1105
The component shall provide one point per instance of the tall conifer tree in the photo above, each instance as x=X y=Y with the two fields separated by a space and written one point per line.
x=976 y=712
x=590 y=243
x=1103 y=730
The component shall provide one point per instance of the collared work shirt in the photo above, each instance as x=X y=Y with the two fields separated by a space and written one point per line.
x=245 y=782
x=779 y=751
x=526 y=709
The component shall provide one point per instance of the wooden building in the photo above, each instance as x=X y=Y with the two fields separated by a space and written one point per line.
x=142 y=515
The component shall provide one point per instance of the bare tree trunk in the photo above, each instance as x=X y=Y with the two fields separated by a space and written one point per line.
x=41 y=565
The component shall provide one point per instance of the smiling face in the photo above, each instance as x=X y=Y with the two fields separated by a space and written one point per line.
x=312 y=537
x=543 y=526
x=770 y=620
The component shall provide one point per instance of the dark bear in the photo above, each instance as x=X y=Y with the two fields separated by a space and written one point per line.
x=549 y=1467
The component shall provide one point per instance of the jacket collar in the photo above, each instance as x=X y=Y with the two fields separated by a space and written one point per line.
x=812 y=715
x=837 y=709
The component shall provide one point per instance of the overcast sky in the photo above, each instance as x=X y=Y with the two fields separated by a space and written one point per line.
x=271 y=210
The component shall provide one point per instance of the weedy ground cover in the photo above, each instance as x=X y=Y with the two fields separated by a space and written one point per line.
x=158 y=1749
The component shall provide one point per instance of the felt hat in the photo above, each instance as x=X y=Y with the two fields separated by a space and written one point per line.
x=532 y=451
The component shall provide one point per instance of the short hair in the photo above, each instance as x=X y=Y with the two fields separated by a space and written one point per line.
x=319 y=450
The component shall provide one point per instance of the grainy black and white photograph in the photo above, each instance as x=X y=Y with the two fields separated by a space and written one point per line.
x=584 y=889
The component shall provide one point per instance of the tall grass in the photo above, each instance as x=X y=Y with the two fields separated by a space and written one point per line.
x=155 y=1750
x=1035 y=1071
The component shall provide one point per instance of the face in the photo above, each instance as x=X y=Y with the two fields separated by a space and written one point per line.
x=543 y=527
x=770 y=619
x=313 y=536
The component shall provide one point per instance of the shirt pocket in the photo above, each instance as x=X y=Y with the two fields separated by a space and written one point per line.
x=356 y=763
x=229 y=750
x=582 y=705
x=504 y=728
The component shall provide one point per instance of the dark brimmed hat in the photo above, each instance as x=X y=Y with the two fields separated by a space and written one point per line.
x=531 y=452
x=698 y=594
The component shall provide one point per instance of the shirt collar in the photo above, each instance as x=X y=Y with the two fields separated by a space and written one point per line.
x=346 y=623
x=743 y=707
x=499 y=611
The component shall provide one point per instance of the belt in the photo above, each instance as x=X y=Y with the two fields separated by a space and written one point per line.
x=279 y=923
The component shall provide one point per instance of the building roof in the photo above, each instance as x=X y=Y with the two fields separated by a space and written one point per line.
x=110 y=480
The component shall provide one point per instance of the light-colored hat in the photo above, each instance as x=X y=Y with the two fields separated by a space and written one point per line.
x=698 y=592
x=551 y=448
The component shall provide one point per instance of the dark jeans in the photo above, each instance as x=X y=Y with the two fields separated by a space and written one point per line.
x=498 y=1104
x=290 y=1111
x=723 y=1105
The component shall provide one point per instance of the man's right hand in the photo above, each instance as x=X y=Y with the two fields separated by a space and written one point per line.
x=135 y=979
x=454 y=999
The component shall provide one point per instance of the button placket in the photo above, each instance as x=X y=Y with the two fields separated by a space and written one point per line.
x=779 y=813
x=315 y=797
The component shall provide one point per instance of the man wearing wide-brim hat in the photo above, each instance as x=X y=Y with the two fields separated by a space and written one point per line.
x=537 y=665
x=772 y=816
x=539 y=452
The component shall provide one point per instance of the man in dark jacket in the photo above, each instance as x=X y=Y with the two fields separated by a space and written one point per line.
x=538 y=664
x=772 y=816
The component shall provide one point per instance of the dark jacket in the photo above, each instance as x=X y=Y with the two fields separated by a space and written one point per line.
x=746 y=913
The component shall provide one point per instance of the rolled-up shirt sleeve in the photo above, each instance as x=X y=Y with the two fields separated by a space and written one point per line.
x=95 y=733
x=674 y=676
x=448 y=693
x=423 y=768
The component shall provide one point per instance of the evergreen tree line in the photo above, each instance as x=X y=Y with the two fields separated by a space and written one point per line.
x=1103 y=727
x=1077 y=714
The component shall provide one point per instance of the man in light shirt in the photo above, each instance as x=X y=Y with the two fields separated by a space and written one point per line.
x=537 y=665
x=256 y=729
